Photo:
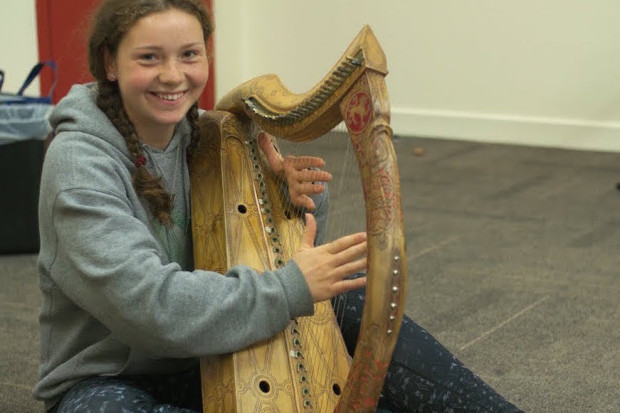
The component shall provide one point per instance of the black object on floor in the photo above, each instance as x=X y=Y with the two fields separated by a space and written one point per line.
x=20 y=174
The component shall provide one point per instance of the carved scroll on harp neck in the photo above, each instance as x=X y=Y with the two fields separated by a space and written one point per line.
x=317 y=99
x=306 y=116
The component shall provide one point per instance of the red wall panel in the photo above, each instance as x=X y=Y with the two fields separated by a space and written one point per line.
x=63 y=35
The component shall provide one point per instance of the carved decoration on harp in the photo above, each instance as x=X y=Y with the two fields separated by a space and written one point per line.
x=239 y=216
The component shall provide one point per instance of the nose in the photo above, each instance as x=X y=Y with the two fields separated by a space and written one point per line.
x=170 y=72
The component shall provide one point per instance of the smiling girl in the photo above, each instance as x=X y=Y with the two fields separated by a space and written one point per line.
x=125 y=315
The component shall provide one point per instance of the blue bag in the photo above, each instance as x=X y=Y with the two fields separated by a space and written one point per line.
x=26 y=117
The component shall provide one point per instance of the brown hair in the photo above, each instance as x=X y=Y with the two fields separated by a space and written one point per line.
x=111 y=23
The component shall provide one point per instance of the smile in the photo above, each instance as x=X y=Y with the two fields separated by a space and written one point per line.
x=170 y=96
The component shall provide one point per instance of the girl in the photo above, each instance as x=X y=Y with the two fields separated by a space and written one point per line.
x=125 y=316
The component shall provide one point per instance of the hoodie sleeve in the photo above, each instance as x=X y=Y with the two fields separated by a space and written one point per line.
x=107 y=262
x=321 y=203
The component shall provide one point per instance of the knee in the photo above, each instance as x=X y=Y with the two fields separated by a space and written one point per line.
x=105 y=394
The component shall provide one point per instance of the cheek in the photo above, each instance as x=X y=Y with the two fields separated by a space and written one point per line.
x=134 y=79
x=200 y=75
x=139 y=80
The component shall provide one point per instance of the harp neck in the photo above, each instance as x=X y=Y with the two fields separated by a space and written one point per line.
x=299 y=117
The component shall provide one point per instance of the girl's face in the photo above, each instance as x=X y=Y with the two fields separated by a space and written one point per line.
x=162 y=68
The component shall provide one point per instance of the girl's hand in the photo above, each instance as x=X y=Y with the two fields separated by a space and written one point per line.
x=295 y=171
x=327 y=267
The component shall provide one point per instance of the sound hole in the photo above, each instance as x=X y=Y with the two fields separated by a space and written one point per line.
x=264 y=386
x=336 y=388
x=242 y=208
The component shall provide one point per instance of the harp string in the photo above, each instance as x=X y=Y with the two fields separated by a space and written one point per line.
x=346 y=199
x=346 y=206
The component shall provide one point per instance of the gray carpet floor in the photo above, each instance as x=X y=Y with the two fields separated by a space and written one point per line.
x=513 y=264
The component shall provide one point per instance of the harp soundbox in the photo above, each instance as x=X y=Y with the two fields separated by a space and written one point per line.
x=240 y=216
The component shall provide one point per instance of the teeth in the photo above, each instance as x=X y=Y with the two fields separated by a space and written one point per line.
x=170 y=97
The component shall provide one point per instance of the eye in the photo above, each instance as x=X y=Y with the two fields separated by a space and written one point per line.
x=191 y=54
x=148 y=57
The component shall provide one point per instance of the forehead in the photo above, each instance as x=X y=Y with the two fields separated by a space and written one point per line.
x=167 y=27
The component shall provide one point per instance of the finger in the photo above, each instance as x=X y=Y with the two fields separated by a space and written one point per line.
x=303 y=201
x=307 y=238
x=313 y=175
x=273 y=156
x=352 y=254
x=304 y=162
x=349 y=284
x=345 y=242
x=306 y=188
x=353 y=267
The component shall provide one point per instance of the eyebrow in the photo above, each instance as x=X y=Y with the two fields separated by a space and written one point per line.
x=185 y=46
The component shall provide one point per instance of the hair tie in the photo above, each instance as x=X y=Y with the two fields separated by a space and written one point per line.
x=140 y=161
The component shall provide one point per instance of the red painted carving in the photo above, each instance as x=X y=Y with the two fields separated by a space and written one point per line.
x=359 y=112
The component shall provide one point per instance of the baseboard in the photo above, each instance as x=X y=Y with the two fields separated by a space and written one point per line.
x=506 y=129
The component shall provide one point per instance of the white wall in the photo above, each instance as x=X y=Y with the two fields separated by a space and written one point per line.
x=536 y=72
x=18 y=43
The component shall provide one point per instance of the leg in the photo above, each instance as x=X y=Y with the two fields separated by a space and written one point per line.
x=423 y=376
x=177 y=393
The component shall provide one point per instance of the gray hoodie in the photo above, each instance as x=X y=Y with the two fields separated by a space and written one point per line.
x=115 y=298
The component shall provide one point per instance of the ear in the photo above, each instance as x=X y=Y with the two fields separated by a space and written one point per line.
x=109 y=63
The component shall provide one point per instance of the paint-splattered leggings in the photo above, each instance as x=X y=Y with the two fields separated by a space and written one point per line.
x=423 y=377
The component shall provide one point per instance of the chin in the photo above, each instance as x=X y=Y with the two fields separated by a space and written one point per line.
x=170 y=119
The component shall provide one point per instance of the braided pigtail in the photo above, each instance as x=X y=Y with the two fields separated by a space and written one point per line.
x=145 y=184
x=192 y=117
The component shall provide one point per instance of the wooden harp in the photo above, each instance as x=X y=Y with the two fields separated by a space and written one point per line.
x=240 y=217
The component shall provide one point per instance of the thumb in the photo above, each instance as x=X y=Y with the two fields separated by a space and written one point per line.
x=307 y=238
x=273 y=156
